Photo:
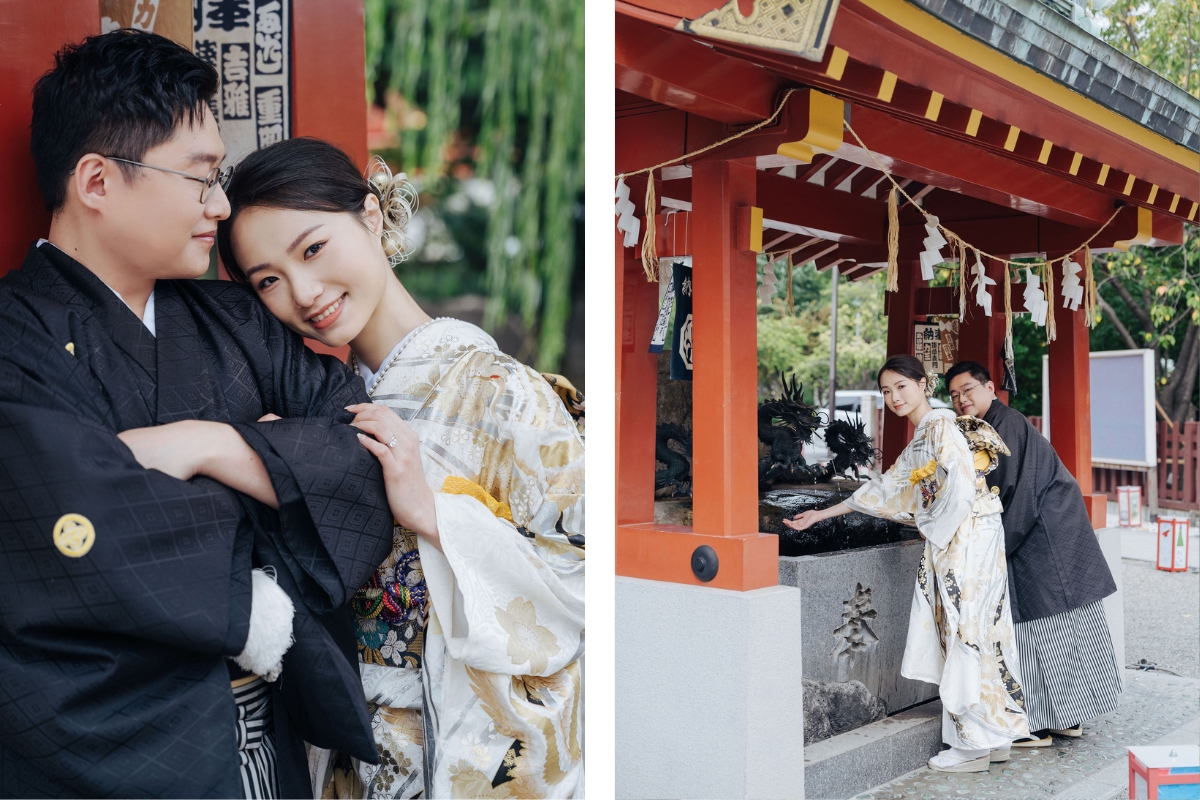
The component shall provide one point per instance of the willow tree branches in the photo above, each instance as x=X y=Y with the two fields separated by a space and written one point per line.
x=501 y=80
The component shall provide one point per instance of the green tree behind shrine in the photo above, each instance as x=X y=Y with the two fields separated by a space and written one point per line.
x=482 y=102
x=1164 y=35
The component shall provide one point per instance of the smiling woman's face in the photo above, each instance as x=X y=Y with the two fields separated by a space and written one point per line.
x=321 y=273
x=901 y=394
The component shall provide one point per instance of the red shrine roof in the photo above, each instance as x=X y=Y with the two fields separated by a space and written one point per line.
x=986 y=110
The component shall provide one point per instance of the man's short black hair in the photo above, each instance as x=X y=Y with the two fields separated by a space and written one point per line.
x=978 y=371
x=117 y=94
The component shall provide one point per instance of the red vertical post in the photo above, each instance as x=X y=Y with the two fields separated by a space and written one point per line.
x=980 y=337
x=902 y=305
x=32 y=33
x=724 y=405
x=329 y=92
x=637 y=381
x=725 y=376
x=1071 y=402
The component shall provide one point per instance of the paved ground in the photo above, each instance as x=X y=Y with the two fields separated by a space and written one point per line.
x=1155 y=709
x=1162 y=617
x=1162 y=626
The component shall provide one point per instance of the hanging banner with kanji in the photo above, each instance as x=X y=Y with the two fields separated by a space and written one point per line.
x=247 y=42
x=681 y=334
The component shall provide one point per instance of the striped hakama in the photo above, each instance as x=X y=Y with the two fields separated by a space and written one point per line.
x=256 y=739
x=1068 y=669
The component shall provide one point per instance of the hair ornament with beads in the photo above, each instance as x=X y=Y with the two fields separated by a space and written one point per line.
x=398 y=202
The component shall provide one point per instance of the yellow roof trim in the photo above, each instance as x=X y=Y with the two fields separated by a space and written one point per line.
x=973 y=122
x=933 y=30
x=887 y=87
x=837 y=63
x=1010 y=143
x=934 y=108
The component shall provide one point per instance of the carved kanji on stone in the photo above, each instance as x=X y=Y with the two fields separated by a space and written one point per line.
x=855 y=634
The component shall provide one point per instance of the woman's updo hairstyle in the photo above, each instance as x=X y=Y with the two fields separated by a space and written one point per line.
x=911 y=368
x=311 y=175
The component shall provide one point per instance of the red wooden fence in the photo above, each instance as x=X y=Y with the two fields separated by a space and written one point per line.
x=1178 y=469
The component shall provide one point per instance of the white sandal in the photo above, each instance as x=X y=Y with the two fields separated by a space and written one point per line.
x=954 y=760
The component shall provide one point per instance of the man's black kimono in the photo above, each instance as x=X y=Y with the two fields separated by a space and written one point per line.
x=1055 y=563
x=113 y=677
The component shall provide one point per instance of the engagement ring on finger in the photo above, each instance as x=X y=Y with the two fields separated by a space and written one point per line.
x=392 y=442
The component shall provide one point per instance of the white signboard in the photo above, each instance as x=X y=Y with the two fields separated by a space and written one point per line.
x=247 y=42
x=1122 y=407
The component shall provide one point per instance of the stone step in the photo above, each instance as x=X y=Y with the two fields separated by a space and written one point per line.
x=845 y=765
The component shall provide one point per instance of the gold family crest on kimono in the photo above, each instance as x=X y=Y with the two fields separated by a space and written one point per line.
x=491 y=706
x=960 y=630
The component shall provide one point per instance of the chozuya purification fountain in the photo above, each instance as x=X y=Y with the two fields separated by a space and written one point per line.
x=855 y=573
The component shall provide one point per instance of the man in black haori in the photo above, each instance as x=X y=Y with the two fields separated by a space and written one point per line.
x=175 y=560
x=1057 y=575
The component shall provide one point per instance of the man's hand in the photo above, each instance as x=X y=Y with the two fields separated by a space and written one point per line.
x=398 y=449
x=178 y=449
x=194 y=447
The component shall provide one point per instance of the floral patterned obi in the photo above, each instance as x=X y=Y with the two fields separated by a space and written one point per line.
x=390 y=611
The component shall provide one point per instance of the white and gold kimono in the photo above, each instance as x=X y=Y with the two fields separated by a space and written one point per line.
x=960 y=630
x=486 y=702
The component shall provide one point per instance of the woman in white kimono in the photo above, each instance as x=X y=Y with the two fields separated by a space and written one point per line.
x=960 y=633
x=470 y=634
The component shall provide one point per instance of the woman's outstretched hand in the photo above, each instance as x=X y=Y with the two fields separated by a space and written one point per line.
x=395 y=444
x=804 y=520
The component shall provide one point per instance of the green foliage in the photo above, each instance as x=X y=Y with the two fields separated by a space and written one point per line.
x=800 y=343
x=1151 y=299
x=494 y=90
x=1029 y=345
x=1164 y=35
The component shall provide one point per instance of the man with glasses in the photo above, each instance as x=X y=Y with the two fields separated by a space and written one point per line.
x=1057 y=575
x=185 y=511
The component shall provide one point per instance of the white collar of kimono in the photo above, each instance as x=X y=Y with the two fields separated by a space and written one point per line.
x=369 y=377
x=936 y=413
x=147 y=317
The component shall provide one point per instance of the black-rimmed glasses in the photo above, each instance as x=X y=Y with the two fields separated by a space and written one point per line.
x=215 y=177
x=964 y=391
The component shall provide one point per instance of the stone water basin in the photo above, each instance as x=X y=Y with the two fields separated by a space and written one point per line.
x=847 y=532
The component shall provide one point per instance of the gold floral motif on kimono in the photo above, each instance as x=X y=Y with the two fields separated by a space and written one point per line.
x=498 y=687
x=960 y=633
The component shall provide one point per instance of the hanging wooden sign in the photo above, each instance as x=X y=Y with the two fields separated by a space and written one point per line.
x=936 y=345
x=247 y=42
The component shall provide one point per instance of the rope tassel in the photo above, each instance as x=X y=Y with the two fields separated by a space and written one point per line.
x=1048 y=283
x=1089 y=288
x=893 y=239
x=649 y=248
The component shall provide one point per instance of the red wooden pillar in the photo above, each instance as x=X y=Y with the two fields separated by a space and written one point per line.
x=725 y=380
x=724 y=407
x=1071 y=402
x=329 y=92
x=637 y=381
x=902 y=305
x=980 y=337
x=31 y=33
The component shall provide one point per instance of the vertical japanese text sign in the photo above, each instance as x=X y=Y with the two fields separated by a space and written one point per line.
x=247 y=42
